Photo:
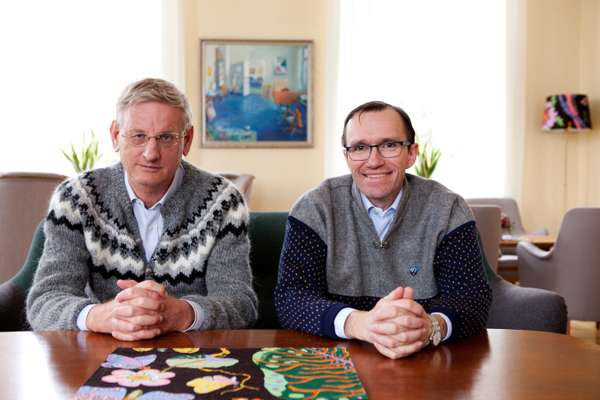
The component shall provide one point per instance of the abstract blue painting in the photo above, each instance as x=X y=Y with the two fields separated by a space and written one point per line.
x=256 y=93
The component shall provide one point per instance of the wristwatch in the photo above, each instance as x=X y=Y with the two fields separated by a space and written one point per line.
x=436 y=332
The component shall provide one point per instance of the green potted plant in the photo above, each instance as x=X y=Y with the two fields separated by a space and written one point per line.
x=86 y=157
x=427 y=159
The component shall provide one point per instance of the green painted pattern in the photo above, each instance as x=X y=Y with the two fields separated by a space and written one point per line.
x=309 y=373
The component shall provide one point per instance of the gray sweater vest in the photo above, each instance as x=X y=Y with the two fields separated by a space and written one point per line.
x=358 y=263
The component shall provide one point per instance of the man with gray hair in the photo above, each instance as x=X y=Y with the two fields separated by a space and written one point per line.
x=150 y=245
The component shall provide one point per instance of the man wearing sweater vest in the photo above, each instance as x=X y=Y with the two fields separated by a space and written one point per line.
x=150 y=245
x=381 y=255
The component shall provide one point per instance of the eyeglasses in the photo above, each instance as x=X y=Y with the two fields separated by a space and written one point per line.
x=362 y=152
x=164 y=140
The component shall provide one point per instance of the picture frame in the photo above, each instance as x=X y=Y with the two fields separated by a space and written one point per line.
x=256 y=93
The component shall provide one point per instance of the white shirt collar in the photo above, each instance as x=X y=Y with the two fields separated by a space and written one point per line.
x=368 y=205
x=175 y=183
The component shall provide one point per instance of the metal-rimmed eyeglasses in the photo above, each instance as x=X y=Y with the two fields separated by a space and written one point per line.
x=390 y=149
x=164 y=140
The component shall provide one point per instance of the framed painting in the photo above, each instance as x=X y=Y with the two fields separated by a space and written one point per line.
x=256 y=93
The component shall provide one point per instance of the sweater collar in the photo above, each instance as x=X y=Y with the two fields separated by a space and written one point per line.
x=399 y=203
x=404 y=196
x=369 y=205
x=175 y=183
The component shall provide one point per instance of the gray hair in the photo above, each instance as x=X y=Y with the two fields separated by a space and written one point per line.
x=153 y=89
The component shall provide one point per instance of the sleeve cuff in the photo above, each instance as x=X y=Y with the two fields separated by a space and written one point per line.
x=448 y=325
x=198 y=316
x=82 y=317
x=328 y=318
x=340 y=321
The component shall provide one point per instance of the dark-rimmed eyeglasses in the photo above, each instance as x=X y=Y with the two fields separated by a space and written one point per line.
x=362 y=152
x=165 y=140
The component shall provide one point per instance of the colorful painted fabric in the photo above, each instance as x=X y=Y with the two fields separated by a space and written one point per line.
x=567 y=111
x=194 y=373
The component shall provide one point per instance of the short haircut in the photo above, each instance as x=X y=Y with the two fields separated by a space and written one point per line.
x=152 y=89
x=374 y=106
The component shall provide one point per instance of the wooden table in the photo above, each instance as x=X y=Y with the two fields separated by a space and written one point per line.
x=498 y=364
x=543 y=242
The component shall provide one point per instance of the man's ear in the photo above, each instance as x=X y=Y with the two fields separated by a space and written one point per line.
x=348 y=161
x=187 y=140
x=413 y=153
x=114 y=135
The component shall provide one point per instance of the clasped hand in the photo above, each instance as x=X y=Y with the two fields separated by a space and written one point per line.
x=141 y=310
x=397 y=326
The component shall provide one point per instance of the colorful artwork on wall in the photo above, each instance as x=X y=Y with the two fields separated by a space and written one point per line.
x=223 y=373
x=256 y=93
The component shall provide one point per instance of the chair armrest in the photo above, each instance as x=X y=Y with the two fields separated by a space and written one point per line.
x=525 y=249
x=536 y=268
x=12 y=308
x=515 y=307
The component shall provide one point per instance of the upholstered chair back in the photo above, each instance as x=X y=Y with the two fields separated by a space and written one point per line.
x=24 y=198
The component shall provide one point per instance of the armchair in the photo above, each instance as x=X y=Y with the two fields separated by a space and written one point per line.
x=266 y=231
x=571 y=267
x=24 y=197
x=514 y=307
x=507 y=264
x=509 y=207
x=14 y=291
x=486 y=218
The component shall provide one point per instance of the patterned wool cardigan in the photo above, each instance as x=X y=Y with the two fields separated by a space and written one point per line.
x=92 y=239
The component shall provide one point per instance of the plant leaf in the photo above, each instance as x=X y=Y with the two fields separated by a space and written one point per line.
x=86 y=157
x=428 y=158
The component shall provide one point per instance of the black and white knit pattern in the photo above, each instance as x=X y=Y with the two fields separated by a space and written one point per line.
x=92 y=239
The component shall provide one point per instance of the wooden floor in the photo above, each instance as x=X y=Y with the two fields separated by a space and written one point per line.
x=585 y=330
